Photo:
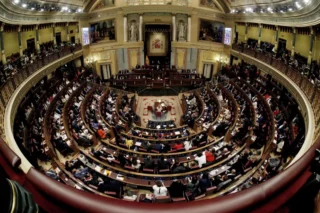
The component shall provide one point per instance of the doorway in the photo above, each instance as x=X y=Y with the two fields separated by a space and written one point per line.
x=105 y=71
x=73 y=39
x=31 y=45
x=282 y=46
x=58 y=38
x=207 y=71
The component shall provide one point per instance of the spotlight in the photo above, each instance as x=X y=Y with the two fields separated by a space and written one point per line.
x=16 y=1
x=24 y=5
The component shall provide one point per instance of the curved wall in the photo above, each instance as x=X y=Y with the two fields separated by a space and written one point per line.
x=17 y=97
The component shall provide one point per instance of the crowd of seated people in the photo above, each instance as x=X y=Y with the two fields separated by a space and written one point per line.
x=30 y=119
x=60 y=138
x=92 y=116
x=16 y=62
x=80 y=132
x=132 y=161
x=261 y=123
x=109 y=108
x=235 y=158
x=126 y=109
x=160 y=134
x=210 y=111
x=172 y=145
x=161 y=124
x=193 y=109
x=246 y=120
x=283 y=106
x=224 y=120
x=298 y=62
x=92 y=178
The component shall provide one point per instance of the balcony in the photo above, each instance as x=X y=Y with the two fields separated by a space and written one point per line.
x=157 y=2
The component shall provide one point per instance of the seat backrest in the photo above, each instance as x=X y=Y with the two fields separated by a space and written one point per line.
x=162 y=199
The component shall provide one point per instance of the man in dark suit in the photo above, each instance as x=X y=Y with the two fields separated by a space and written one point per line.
x=148 y=163
x=163 y=163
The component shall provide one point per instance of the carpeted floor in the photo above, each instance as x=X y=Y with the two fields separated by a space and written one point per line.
x=145 y=115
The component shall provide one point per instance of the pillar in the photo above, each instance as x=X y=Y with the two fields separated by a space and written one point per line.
x=311 y=46
x=4 y=59
x=189 y=29
x=20 y=40
x=293 y=41
x=67 y=29
x=277 y=38
x=125 y=29
x=246 y=33
x=54 y=34
x=259 y=36
x=174 y=30
x=37 y=39
x=235 y=34
x=77 y=38
x=140 y=27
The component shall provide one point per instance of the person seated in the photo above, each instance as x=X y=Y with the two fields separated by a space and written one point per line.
x=102 y=134
x=176 y=188
x=204 y=183
x=51 y=173
x=85 y=138
x=192 y=186
x=96 y=153
x=177 y=167
x=135 y=163
x=159 y=189
x=80 y=172
x=163 y=163
x=148 y=163
x=210 y=155
x=187 y=144
x=178 y=146
x=201 y=159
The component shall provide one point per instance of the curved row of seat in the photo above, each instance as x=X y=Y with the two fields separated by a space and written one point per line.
x=83 y=107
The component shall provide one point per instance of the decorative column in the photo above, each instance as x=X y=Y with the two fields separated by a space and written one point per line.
x=140 y=27
x=37 y=39
x=77 y=34
x=174 y=29
x=54 y=34
x=235 y=34
x=293 y=41
x=311 y=46
x=259 y=36
x=245 y=33
x=277 y=38
x=125 y=28
x=67 y=29
x=189 y=29
x=19 y=40
x=4 y=59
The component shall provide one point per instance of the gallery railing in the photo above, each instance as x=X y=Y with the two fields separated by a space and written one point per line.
x=157 y=2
